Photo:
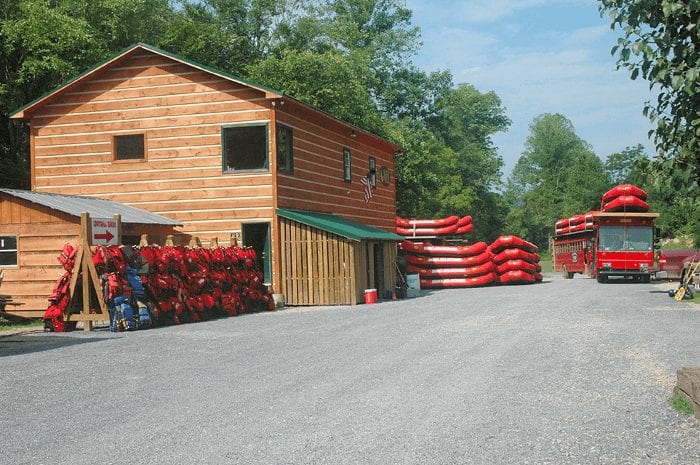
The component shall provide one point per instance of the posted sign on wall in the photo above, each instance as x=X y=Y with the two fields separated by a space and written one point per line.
x=105 y=231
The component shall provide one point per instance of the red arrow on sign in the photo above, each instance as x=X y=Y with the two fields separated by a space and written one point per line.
x=107 y=236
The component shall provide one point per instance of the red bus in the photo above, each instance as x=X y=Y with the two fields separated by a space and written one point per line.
x=617 y=245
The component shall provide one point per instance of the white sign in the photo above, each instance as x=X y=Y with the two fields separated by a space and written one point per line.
x=105 y=231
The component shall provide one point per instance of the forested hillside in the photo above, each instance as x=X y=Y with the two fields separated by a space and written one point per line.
x=352 y=59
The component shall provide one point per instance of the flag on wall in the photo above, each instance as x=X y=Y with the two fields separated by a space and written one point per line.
x=367 y=187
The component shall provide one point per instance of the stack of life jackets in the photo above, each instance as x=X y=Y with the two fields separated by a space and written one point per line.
x=60 y=298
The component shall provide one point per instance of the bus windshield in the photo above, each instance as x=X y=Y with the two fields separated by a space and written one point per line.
x=625 y=238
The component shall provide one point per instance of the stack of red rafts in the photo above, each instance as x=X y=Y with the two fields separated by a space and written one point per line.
x=449 y=265
x=625 y=198
x=449 y=226
x=516 y=260
x=172 y=285
x=576 y=223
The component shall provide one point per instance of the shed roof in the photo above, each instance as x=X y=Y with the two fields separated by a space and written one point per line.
x=338 y=225
x=74 y=205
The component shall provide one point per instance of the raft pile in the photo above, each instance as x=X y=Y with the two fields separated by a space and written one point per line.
x=449 y=226
x=625 y=198
x=508 y=260
x=516 y=260
x=621 y=198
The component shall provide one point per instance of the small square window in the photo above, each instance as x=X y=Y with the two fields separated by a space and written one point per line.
x=347 y=165
x=285 y=149
x=129 y=147
x=8 y=251
x=244 y=148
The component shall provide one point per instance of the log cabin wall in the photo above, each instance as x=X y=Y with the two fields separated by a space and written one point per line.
x=181 y=111
x=317 y=182
x=40 y=234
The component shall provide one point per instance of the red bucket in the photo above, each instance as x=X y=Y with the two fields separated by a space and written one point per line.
x=370 y=296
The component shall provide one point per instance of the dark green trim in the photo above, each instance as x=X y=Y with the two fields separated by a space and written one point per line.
x=339 y=225
x=265 y=168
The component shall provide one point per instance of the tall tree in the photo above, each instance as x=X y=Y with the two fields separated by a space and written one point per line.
x=557 y=175
x=660 y=44
x=626 y=166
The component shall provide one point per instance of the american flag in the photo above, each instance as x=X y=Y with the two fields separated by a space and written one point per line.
x=367 y=188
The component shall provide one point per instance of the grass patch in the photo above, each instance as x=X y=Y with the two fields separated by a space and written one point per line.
x=8 y=325
x=546 y=261
x=681 y=405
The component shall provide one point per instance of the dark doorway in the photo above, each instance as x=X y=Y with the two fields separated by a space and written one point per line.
x=379 y=267
x=257 y=236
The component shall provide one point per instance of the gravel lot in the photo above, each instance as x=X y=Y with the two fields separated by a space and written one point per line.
x=561 y=372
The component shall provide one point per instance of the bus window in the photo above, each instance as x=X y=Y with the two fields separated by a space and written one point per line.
x=611 y=237
x=639 y=238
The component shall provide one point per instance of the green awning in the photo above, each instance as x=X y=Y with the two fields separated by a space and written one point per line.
x=338 y=225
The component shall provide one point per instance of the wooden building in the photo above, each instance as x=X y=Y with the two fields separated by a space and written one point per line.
x=219 y=155
x=33 y=229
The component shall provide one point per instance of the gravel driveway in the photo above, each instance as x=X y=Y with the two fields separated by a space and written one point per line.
x=568 y=371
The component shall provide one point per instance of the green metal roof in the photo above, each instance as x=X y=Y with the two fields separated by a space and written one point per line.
x=338 y=225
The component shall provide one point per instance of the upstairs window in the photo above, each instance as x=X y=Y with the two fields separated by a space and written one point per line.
x=372 y=175
x=244 y=148
x=8 y=251
x=347 y=165
x=129 y=147
x=285 y=149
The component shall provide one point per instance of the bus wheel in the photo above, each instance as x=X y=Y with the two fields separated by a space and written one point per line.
x=566 y=274
x=601 y=278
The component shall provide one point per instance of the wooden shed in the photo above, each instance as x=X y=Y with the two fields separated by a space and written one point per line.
x=326 y=259
x=35 y=226
x=213 y=152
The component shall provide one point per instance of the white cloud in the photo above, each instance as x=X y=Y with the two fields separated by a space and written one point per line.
x=560 y=65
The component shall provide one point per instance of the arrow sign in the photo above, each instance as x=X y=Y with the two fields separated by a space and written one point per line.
x=107 y=236
x=105 y=231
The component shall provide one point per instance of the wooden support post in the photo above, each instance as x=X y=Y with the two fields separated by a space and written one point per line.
x=195 y=242
x=85 y=270
x=234 y=241
x=214 y=243
x=85 y=243
x=169 y=241
x=144 y=240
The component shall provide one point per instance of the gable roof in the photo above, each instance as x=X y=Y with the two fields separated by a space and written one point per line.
x=74 y=205
x=339 y=225
x=25 y=111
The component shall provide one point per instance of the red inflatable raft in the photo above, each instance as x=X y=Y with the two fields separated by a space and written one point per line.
x=476 y=281
x=455 y=261
x=626 y=203
x=519 y=264
x=624 y=190
x=512 y=242
x=470 y=272
x=438 y=231
x=516 y=277
x=467 y=228
x=429 y=249
x=436 y=223
x=515 y=254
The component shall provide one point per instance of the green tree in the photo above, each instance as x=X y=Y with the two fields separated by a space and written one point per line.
x=626 y=166
x=660 y=44
x=557 y=175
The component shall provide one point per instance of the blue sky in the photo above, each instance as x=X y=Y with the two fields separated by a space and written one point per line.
x=539 y=56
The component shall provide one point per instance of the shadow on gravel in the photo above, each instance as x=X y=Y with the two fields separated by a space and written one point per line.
x=18 y=345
